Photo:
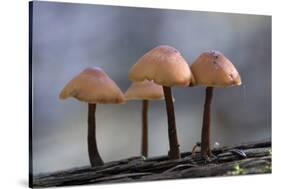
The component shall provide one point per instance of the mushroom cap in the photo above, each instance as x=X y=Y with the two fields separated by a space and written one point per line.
x=213 y=69
x=93 y=85
x=144 y=90
x=164 y=65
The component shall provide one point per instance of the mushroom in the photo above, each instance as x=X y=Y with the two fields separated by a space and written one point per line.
x=212 y=69
x=145 y=91
x=93 y=86
x=165 y=66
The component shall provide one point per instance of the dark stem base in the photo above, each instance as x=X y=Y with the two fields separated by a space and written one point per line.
x=144 y=142
x=205 y=134
x=174 y=152
x=94 y=155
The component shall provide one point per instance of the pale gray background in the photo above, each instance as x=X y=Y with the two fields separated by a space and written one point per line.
x=70 y=37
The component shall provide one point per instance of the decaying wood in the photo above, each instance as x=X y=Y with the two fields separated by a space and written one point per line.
x=133 y=169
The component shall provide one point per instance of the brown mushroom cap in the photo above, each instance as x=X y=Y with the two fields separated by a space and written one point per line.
x=93 y=85
x=213 y=69
x=164 y=65
x=144 y=90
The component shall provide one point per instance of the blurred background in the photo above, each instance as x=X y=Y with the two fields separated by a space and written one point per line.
x=70 y=37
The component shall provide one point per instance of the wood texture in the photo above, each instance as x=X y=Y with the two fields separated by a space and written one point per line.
x=159 y=168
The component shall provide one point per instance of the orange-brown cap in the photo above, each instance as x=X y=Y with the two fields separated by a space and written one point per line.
x=146 y=90
x=164 y=65
x=93 y=85
x=212 y=68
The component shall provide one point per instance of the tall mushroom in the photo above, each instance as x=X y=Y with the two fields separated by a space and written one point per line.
x=212 y=69
x=165 y=66
x=93 y=86
x=145 y=91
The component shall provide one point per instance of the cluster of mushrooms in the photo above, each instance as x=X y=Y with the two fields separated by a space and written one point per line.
x=153 y=76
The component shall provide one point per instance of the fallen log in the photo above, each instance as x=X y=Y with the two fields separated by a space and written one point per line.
x=255 y=159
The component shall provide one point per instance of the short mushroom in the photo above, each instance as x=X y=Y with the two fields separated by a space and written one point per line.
x=165 y=66
x=93 y=86
x=212 y=69
x=145 y=91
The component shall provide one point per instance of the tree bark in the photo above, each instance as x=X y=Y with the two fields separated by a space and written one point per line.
x=174 y=152
x=205 y=134
x=144 y=143
x=94 y=155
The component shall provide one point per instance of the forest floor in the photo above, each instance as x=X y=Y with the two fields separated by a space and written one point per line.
x=230 y=160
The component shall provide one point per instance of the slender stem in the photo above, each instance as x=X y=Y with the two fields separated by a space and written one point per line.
x=205 y=134
x=94 y=155
x=174 y=152
x=144 y=143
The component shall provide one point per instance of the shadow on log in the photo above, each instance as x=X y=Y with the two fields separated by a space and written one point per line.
x=134 y=169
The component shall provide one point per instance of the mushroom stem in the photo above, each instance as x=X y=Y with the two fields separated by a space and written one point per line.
x=174 y=152
x=94 y=155
x=144 y=144
x=205 y=134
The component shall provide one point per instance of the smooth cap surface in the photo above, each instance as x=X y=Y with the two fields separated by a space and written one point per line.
x=164 y=65
x=93 y=85
x=213 y=69
x=144 y=90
